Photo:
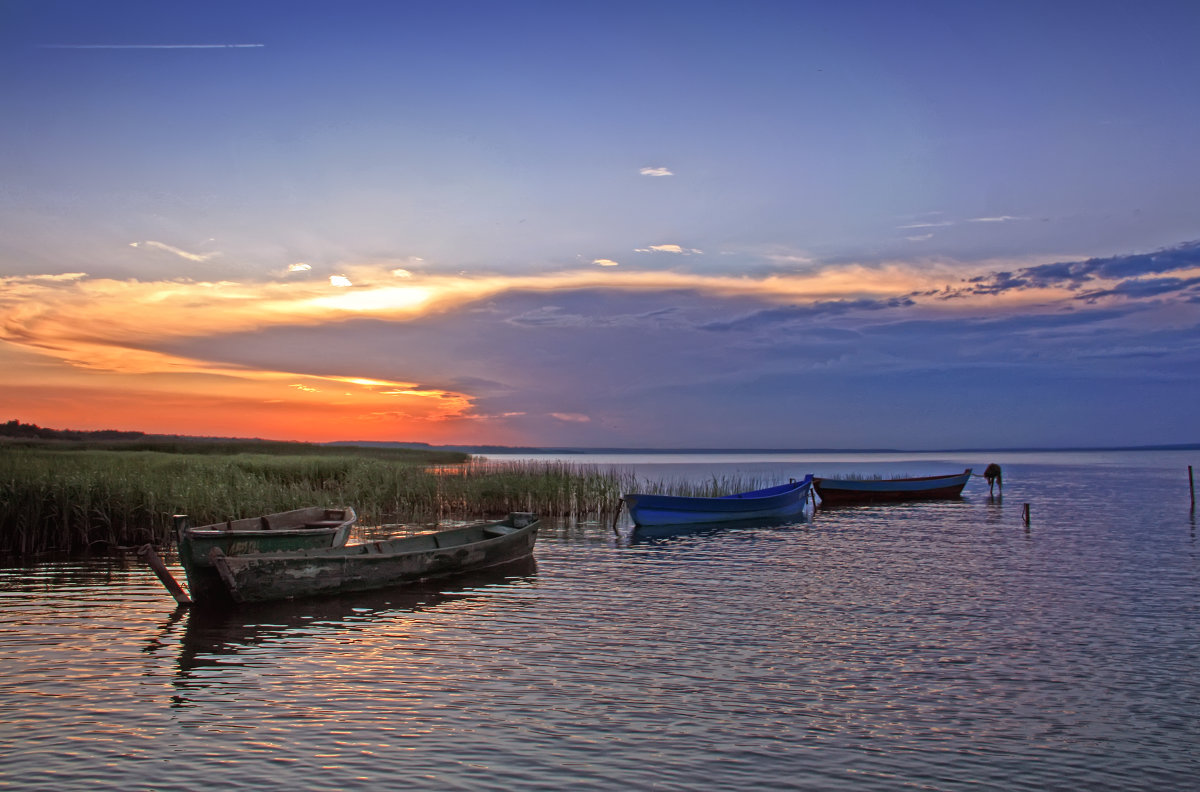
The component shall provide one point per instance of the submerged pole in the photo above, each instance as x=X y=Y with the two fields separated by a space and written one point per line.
x=1025 y=514
x=164 y=575
x=1192 y=487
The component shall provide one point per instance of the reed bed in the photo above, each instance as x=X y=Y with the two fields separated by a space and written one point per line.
x=53 y=500
x=75 y=500
x=712 y=487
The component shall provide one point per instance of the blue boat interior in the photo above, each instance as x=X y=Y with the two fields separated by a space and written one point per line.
x=769 y=491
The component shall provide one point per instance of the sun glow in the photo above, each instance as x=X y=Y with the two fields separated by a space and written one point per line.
x=375 y=300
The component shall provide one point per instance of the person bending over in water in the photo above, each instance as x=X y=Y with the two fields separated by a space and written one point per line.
x=993 y=476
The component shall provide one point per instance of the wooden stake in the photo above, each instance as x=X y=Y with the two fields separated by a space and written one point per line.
x=1192 y=487
x=164 y=575
x=179 y=523
x=1025 y=514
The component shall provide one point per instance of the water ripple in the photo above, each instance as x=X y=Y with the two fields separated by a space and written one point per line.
x=933 y=646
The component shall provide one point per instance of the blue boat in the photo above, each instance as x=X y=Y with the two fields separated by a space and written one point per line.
x=784 y=500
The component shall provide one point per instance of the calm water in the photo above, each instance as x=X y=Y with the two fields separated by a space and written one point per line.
x=939 y=646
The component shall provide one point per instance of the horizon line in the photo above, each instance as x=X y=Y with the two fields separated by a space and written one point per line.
x=737 y=450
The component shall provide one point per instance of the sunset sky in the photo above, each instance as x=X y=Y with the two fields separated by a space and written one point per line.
x=619 y=224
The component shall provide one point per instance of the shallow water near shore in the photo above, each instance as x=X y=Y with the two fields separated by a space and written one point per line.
x=938 y=646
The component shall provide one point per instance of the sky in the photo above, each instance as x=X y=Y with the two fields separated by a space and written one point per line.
x=923 y=225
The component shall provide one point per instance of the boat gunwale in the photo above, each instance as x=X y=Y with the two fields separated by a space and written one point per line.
x=823 y=480
x=268 y=532
x=363 y=548
x=294 y=522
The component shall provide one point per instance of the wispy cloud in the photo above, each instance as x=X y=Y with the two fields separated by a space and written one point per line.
x=149 y=46
x=655 y=172
x=676 y=249
x=301 y=267
x=1145 y=287
x=940 y=224
x=997 y=219
x=340 y=280
x=794 y=313
x=571 y=417
x=197 y=257
x=606 y=263
x=1134 y=275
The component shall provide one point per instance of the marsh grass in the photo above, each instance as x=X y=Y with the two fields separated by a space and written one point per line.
x=73 y=500
x=97 y=499
x=712 y=487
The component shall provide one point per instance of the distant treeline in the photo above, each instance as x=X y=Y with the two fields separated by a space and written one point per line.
x=18 y=429
x=17 y=434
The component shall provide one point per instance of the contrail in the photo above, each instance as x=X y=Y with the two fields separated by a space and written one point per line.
x=150 y=46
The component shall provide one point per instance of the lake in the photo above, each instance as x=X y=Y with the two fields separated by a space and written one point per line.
x=934 y=646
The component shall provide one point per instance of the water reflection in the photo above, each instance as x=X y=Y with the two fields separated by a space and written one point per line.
x=657 y=534
x=53 y=572
x=213 y=639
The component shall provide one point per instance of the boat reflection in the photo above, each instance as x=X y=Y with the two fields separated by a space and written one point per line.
x=212 y=637
x=655 y=534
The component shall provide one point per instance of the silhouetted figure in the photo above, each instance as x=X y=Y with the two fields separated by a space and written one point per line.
x=993 y=476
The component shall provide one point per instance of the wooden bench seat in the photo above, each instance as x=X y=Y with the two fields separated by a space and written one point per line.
x=323 y=524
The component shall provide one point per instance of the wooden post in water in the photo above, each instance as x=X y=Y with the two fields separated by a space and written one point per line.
x=1025 y=515
x=1192 y=487
x=164 y=575
x=179 y=522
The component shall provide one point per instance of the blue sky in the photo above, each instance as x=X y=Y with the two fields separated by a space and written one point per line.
x=616 y=224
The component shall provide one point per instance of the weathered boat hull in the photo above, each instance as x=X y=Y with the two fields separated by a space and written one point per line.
x=266 y=577
x=838 y=492
x=299 y=529
x=785 y=500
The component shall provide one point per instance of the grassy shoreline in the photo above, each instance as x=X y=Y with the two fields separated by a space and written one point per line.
x=76 y=496
x=68 y=498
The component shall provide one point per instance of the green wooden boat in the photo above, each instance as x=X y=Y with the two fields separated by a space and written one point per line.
x=299 y=529
x=263 y=577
